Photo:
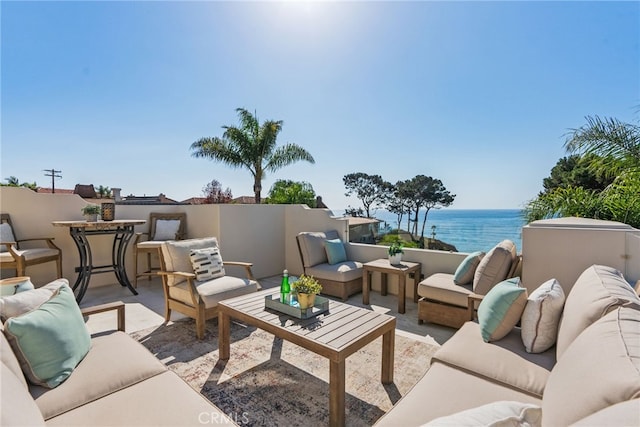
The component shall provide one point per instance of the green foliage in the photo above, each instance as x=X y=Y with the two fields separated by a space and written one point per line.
x=91 y=210
x=372 y=190
x=12 y=181
x=394 y=238
x=252 y=146
x=288 y=192
x=576 y=171
x=396 y=248
x=104 y=192
x=611 y=149
x=423 y=192
x=306 y=285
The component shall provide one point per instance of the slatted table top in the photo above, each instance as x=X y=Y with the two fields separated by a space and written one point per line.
x=336 y=334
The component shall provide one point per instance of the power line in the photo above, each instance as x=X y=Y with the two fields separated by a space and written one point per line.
x=53 y=174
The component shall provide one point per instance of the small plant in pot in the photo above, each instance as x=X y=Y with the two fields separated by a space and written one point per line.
x=91 y=212
x=395 y=252
x=306 y=287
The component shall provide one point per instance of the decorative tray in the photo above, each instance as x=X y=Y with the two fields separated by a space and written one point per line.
x=321 y=305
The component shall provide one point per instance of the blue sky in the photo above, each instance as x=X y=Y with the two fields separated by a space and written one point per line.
x=477 y=94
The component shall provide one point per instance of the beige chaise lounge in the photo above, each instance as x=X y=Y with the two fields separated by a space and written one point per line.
x=591 y=377
x=341 y=279
x=118 y=383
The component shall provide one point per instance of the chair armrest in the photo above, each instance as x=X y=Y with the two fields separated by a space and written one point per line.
x=139 y=236
x=247 y=266
x=471 y=304
x=177 y=273
x=118 y=305
x=49 y=241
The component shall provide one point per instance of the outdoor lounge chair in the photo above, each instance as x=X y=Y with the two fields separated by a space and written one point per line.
x=194 y=279
x=162 y=227
x=447 y=303
x=339 y=279
x=13 y=255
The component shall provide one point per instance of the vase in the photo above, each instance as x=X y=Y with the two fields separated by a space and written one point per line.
x=306 y=300
x=395 y=259
x=91 y=217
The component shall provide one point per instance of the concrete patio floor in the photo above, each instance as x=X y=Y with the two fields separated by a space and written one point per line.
x=146 y=309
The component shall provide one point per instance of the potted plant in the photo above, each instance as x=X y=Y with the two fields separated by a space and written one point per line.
x=306 y=287
x=395 y=252
x=91 y=212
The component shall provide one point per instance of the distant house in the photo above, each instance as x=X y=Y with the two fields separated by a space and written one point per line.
x=160 y=199
x=43 y=190
x=363 y=230
x=244 y=200
x=195 y=201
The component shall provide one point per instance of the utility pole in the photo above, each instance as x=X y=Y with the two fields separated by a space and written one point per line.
x=53 y=174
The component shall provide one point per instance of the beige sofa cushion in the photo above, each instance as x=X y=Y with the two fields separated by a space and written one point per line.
x=440 y=287
x=163 y=400
x=494 y=267
x=214 y=291
x=621 y=414
x=445 y=390
x=9 y=359
x=597 y=291
x=497 y=414
x=517 y=369
x=600 y=368
x=114 y=362
x=176 y=255
x=18 y=408
x=311 y=246
x=343 y=272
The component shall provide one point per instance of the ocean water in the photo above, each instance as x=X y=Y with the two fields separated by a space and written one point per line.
x=468 y=230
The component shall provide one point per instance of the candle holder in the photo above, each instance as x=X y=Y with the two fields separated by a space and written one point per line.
x=108 y=211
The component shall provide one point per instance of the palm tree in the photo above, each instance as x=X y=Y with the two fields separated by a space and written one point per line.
x=252 y=146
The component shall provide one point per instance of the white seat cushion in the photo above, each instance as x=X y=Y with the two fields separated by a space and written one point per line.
x=440 y=287
x=214 y=291
x=342 y=272
x=149 y=244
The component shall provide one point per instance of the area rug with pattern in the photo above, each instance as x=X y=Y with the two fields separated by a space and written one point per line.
x=270 y=382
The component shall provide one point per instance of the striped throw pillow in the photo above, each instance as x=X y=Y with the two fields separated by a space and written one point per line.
x=207 y=263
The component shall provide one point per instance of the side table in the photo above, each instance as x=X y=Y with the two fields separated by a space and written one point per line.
x=402 y=270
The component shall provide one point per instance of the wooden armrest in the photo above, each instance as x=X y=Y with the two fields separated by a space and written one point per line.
x=118 y=305
x=177 y=273
x=247 y=266
x=33 y=239
x=471 y=304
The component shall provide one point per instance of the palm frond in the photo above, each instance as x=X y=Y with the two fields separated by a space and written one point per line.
x=286 y=155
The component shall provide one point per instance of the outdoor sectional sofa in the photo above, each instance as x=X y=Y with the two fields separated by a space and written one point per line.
x=591 y=377
x=118 y=382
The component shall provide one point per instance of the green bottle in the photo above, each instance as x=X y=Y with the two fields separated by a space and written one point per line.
x=285 y=289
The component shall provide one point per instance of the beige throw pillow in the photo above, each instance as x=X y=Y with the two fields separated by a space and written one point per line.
x=541 y=316
x=496 y=414
x=494 y=267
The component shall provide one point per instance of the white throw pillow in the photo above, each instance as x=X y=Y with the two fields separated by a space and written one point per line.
x=166 y=229
x=541 y=317
x=499 y=414
x=6 y=235
x=207 y=263
x=23 y=302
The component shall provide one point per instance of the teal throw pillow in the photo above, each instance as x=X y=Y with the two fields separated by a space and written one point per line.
x=501 y=308
x=335 y=251
x=51 y=340
x=467 y=268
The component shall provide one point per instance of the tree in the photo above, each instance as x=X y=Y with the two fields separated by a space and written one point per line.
x=104 y=192
x=288 y=192
x=213 y=193
x=612 y=149
x=576 y=171
x=252 y=146
x=399 y=202
x=427 y=193
x=372 y=190
x=12 y=181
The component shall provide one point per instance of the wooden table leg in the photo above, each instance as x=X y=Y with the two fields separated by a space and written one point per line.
x=402 y=292
x=365 y=286
x=416 y=279
x=383 y=283
x=388 y=351
x=336 y=393
x=224 y=336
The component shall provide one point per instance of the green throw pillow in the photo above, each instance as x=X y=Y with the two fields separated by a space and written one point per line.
x=335 y=251
x=51 y=340
x=467 y=268
x=501 y=308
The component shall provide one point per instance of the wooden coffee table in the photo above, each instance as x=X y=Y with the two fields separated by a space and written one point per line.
x=337 y=334
x=402 y=270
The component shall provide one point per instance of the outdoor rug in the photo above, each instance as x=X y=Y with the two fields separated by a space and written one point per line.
x=271 y=382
